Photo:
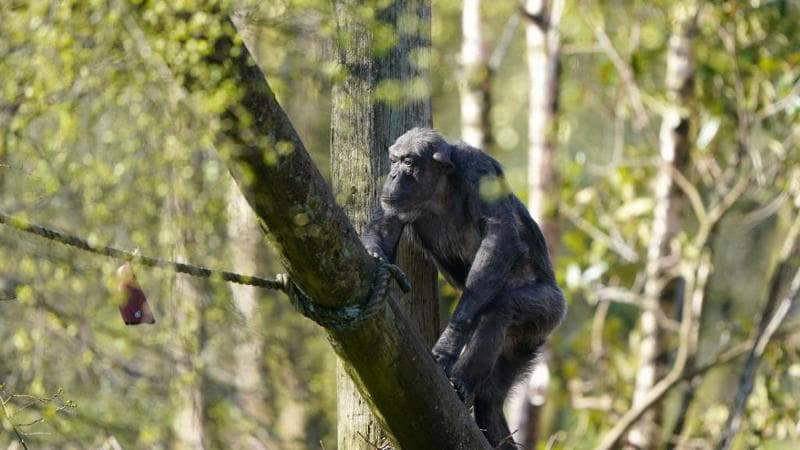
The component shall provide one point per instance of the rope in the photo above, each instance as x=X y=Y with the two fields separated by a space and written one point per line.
x=350 y=315
x=341 y=318
x=83 y=244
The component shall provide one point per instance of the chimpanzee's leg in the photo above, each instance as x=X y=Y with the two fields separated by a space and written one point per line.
x=489 y=403
x=480 y=354
x=537 y=309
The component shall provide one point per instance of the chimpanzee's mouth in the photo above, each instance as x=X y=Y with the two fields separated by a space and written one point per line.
x=390 y=199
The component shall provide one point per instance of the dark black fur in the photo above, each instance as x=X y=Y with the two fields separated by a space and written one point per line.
x=484 y=241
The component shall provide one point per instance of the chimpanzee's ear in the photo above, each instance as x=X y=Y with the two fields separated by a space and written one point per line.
x=442 y=156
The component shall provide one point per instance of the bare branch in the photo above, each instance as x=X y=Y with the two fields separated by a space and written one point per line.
x=598 y=323
x=620 y=247
x=642 y=117
x=716 y=213
x=781 y=104
x=744 y=120
x=691 y=192
x=688 y=338
x=753 y=218
x=503 y=44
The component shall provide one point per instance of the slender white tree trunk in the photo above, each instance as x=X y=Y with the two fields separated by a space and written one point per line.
x=245 y=237
x=475 y=78
x=186 y=306
x=543 y=47
x=674 y=151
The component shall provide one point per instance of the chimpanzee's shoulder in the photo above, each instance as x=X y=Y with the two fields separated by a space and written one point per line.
x=473 y=162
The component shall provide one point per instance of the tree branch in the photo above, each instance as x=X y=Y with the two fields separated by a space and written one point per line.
x=774 y=313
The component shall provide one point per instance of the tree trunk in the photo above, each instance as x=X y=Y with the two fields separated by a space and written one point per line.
x=363 y=127
x=186 y=299
x=675 y=153
x=475 y=80
x=543 y=43
x=543 y=47
x=245 y=236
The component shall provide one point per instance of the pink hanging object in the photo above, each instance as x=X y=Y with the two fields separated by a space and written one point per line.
x=134 y=308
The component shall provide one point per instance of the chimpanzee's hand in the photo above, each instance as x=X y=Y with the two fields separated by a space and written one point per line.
x=448 y=347
x=377 y=253
x=464 y=390
x=444 y=360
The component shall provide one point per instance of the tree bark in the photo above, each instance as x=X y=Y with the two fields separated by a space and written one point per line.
x=363 y=127
x=385 y=355
x=669 y=200
x=475 y=80
x=543 y=48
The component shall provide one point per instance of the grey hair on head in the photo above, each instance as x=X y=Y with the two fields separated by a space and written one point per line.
x=419 y=138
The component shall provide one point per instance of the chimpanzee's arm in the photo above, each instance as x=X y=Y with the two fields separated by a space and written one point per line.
x=499 y=250
x=382 y=234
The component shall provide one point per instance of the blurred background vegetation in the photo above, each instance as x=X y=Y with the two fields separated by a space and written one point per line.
x=96 y=139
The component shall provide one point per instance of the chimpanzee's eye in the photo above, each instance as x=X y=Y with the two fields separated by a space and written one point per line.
x=408 y=162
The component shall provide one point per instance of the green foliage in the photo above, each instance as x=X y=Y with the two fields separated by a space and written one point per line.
x=96 y=139
x=97 y=135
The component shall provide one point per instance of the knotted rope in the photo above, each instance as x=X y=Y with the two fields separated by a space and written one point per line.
x=339 y=318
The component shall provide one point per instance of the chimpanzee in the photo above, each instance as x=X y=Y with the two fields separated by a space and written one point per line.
x=484 y=242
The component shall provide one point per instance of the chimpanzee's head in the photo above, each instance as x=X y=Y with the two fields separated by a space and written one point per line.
x=420 y=161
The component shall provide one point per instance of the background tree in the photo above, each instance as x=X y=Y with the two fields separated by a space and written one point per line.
x=383 y=91
x=543 y=51
x=662 y=257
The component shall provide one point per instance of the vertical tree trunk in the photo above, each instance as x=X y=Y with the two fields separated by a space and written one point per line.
x=186 y=307
x=475 y=79
x=674 y=152
x=543 y=47
x=543 y=43
x=363 y=127
x=245 y=237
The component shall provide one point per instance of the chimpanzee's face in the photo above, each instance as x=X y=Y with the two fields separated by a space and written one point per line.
x=414 y=175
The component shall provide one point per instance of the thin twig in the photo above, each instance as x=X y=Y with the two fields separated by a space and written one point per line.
x=624 y=250
x=642 y=118
x=781 y=104
x=501 y=49
x=691 y=192
x=716 y=213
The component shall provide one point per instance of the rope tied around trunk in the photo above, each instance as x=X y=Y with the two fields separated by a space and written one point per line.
x=351 y=314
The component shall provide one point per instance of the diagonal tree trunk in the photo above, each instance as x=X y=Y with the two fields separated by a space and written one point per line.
x=675 y=153
x=363 y=127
